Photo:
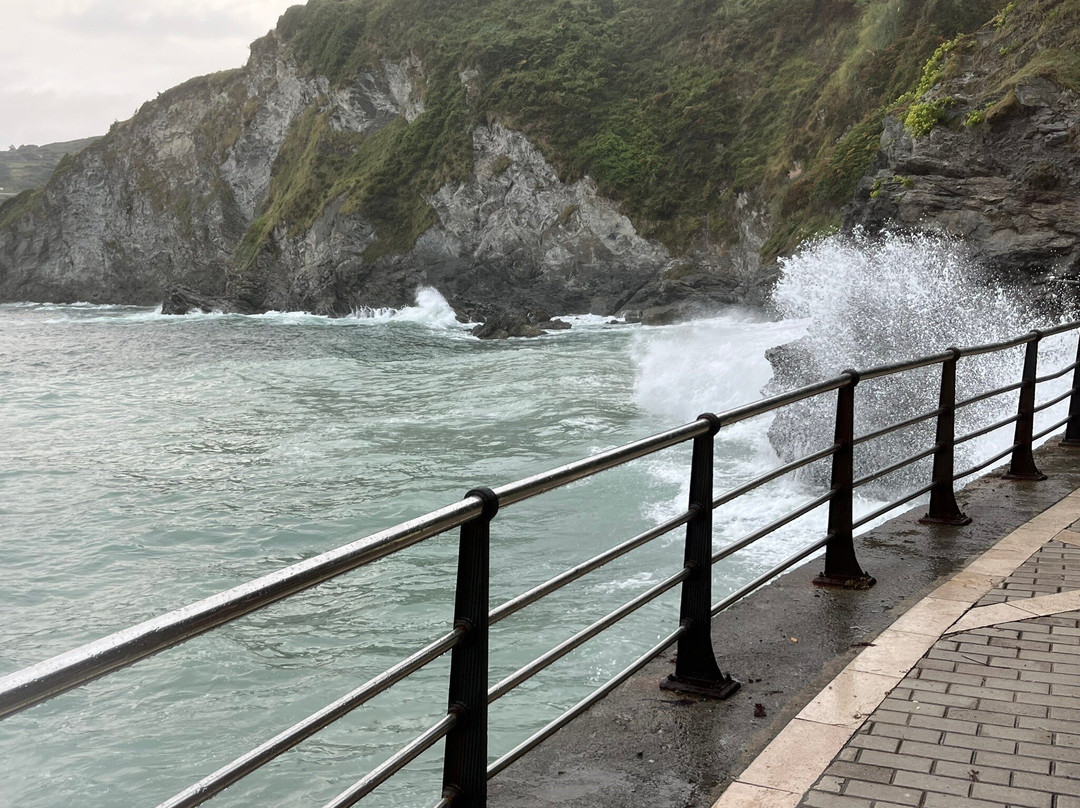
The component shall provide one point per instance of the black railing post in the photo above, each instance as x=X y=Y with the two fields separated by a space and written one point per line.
x=841 y=566
x=465 y=760
x=1072 y=429
x=943 y=508
x=696 y=670
x=1023 y=465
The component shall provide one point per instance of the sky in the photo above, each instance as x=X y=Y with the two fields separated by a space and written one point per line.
x=69 y=68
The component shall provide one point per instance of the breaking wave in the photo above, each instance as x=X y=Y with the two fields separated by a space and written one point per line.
x=871 y=301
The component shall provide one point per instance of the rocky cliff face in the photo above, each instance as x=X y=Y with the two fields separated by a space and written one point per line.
x=1000 y=164
x=166 y=197
x=513 y=235
x=565 y=157
x=162 y=202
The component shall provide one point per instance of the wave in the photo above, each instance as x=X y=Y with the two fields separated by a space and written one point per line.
x=431 y=310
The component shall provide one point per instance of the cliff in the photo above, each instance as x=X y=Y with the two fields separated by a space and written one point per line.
x=987 y=148
x=580 y=155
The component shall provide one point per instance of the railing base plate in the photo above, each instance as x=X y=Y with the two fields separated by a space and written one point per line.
x=1029 y=477
x=956 y=521
x=710 y=690
x=1070 y=442
x=844 y=581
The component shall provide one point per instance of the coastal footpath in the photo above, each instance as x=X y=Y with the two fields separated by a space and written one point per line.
x=631 y=157
x=791 y=643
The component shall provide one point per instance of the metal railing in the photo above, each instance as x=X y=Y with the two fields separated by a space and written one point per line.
x=464 y=727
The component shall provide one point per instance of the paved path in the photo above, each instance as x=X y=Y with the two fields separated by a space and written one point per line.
x=970 y=700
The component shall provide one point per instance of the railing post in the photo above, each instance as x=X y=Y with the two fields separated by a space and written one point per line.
x=1023 y=462
x=841 y=566
x=696 y=670
x=1072 y=429
x=465 y=759
x=943 y=508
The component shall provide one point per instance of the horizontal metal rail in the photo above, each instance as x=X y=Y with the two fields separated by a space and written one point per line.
x=762 y=406
x=989 y=394
x=1050 y=430
x=1057 y=374
x=885 y=472
x=445 y=802
x=907 y=364
x=765 y=577
x=1057 y=329
x=393 y=765
x=554 y=726
x=896 y=427
x=585 y=567
x=1015 y=342
x=776 y=473
x=59 y=674
x=566 y=646
x=986 y=430
x=870 y=517
x=546 y=481
x=250 y=761
x=1056 y=400
x=776 y=524
x=988 y=462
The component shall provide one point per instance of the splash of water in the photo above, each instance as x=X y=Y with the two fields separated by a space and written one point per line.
x=873 y=301
x=431 y=310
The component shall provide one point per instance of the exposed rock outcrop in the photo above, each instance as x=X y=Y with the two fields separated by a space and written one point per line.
x=1002 y=167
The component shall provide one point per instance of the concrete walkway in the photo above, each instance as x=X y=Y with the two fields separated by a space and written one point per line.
x=970 y=700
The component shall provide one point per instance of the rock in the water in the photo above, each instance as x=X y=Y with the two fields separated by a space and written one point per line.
x=518 y=324
x=180 y=300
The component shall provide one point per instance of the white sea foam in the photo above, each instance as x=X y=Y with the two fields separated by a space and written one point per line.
x=849 y=301
x=431 y=309
x=875 y=301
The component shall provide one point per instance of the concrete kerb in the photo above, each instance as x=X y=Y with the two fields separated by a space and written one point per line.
x=801 y=752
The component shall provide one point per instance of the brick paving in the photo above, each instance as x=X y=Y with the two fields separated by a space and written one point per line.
x=1055 y=568
x=989 y=717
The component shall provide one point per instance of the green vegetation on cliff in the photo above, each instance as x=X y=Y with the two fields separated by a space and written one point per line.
x=1026 y=39
x=673 y=106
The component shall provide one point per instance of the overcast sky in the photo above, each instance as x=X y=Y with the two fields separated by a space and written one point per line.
x=69 y=68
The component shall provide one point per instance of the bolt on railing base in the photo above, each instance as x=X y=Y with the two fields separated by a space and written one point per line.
x=863 y=581
x=956 y=521
x=721 y=689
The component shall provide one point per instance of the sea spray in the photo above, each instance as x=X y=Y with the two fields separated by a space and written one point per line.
x=431 y=309
x=870 y=301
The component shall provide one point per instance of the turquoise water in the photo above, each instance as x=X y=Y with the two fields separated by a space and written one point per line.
x=149 y=461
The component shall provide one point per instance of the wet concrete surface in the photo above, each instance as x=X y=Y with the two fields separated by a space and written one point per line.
x=643 y=746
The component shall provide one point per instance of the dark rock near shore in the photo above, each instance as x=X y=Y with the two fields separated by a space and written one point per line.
x=181 y=300
x=518 y=324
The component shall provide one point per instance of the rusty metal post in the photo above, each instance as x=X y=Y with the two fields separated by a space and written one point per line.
x=1023 y=465
x=943 y=508
x=465 y=759
x=1072 y=429
x=841 y=566
x=696 y=670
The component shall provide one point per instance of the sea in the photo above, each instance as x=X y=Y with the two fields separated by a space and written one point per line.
x=148 y=461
